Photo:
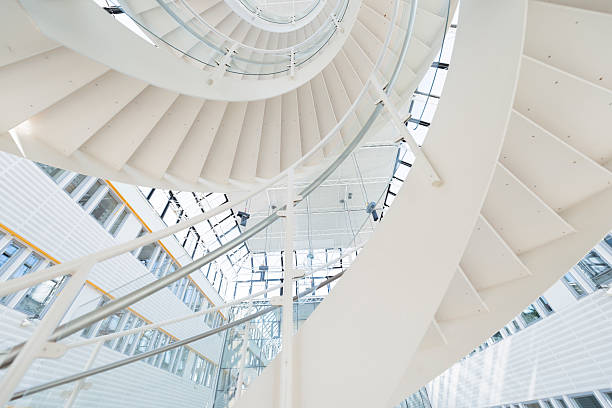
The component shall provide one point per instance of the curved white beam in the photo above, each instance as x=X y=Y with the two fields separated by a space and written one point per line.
x=355 y=347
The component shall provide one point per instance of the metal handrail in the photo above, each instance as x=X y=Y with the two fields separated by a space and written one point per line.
x=339 y=10
x=68 y=267
x=87 y=319
x=271 y=20
x=180 y=343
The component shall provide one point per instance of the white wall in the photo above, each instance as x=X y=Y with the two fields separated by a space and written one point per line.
x=566 y=353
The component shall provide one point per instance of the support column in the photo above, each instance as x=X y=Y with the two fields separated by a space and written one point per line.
x=286 y=380
x=37 y=345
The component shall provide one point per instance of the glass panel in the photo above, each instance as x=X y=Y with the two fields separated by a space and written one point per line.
x=596 y=268
x=545 y=305
x=530 y=315
x=497 y=337
x=8 y=254
x=146 y=254
x=90 y=193
x=37 y=300
x=51 y=171
x=74 y=184
x=587 y=401
x=575 y=287
x=118 y=222
x=105 y=208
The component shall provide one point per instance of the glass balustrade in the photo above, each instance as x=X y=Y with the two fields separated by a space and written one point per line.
x=127 y=358
x=183 y=31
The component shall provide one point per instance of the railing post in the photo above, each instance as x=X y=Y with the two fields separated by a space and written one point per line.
x=399 y=124
x=77 y=387
x=37 y=345
x=244 y=348
x=292 y=64
x=286 y=381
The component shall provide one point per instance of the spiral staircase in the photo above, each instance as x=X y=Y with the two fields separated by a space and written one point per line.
x=521 y=143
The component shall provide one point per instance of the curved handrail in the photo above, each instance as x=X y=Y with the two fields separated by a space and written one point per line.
x=255 y=49
x=225 y=42
x=253 y=10
x=68 y=267
x=127 y=300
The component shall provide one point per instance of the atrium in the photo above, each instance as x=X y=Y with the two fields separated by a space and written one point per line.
x=306 y=203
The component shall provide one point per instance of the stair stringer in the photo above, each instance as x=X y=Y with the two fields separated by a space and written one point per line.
x=355 y=347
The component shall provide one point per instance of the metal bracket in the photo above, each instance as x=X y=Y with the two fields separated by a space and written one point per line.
x=53 y=350
x=337 y=23
x=224 y=63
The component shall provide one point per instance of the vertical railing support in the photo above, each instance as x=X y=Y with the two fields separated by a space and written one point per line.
x=292 y=64
x=244 y=349
x=77 y=387
x=37 y=345
x=286 y=381
x=405 y=134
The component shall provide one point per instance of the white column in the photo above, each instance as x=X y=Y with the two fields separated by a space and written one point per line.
x=243 y=357
x=37 y=343
x=286 y=381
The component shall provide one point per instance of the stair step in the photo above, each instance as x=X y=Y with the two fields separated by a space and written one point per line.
x=93 y=104
x=156 y=152
x=461 y=300
x=548 y=97
x=309 y=129
x=244 y=166
x=220 y=159
x=25 y=95
x=188 y=162
x=556 y=36
x=291 y=144
x=488 y=260
x=559 y=174
x=129 y=127
x=269 y=159
x=519 y=216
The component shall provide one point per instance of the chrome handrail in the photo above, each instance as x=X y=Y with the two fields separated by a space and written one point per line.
x=114 y=306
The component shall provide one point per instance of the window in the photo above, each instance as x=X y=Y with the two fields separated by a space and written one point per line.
x=144 y=342
x=181 y=361
x=146 y=254
x=9 y=254
x=587 y=401
x=37 y=300
x=573 y=285
x=516 y=326
x=169 y=355
x=53 y=172
x=608 y=394
x=608 y=240
x=507 y=331
x=110 y=325
x=133 y=337
x=131 y=319
x=89 y=331
x=548 y=404
x=118 y=222
x=596 y=268
x=26 y=267
x=497 y=337
x=85 y=198
x=532 y=405
x=530 y=315
x=545 y=305
x=561 y=403
x=74 y=184
x=105 y=208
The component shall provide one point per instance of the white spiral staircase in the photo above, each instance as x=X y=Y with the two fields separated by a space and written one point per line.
x=522 y=141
